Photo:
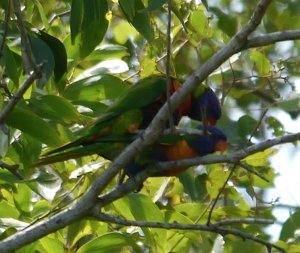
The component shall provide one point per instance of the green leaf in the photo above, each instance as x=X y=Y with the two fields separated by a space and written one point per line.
x=8 y=211
x=261 y=158
x=188 y=181
x=4 y=141
x=43 y=53
x=8 y=60
x=276 y=125
x=105 y=52
x=22 y=197
x=76 y=18
x=59 y=53
x=139 y=19
x=29 y=149
x=246 y=125
x=9 y=222
x=226 y=22
x=52 y=245
x=7 y=177
x=94 y=25
x=290 y=226
x=88 y=19
x=247 y=246
x=198 y=26
x=95 y=88
x=31 y=124
x=154 y=5
x=42 y=13
x=76 y=231
x=55 y=107
x=147 y=210
x=289 y=105
x=142 y=208
x=110 y=242
x=32 y=247
x=262 y=63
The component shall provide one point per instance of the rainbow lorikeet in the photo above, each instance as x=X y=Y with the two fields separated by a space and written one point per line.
x=170 y=147
x=178 y=147
x=138 y=106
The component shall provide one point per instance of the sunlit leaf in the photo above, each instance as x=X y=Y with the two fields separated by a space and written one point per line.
x=95 y=88
x=146 y=211
x=110 y=242
x=140 y=20
x=8 y=211
x=261 y=61
x=9 y=222
x=261 y=158
x=23 y=197
x=51 y=244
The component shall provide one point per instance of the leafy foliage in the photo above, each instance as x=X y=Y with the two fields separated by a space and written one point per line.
x=93 y=51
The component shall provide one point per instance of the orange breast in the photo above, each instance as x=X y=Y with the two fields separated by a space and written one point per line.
x=178 y=152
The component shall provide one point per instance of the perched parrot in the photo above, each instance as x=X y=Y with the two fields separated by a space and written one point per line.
x=178 y=147
x=138 y=106
x=170 y=147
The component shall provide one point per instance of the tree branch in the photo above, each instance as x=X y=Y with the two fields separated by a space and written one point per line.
x=5 y=24
x=18 y=95
x=27 y=55
x=13 y=169
x=214 y=228
x=232 y=157
x=271 y=38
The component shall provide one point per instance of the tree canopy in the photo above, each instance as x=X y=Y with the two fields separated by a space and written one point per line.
x=63 y=63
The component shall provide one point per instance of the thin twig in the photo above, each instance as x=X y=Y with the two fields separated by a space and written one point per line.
x=219 y=194
x=6 y=21
x=18 y=95
x=168 y=74
x=13 y=169
x=57 y=207
x=246 y=167
x=214 y=228
x=232 y=157
x=58 y=15
x=227 y=222
x=27 y=54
